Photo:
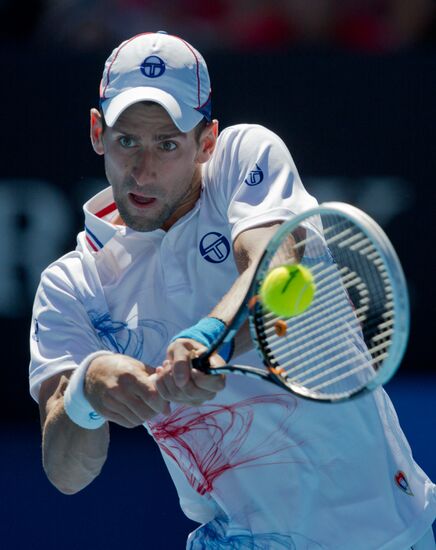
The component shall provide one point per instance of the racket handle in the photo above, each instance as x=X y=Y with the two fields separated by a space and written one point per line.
x=200 y=362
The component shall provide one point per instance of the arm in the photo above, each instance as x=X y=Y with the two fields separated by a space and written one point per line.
x=247 y=248
x=120 y=389
x=72 y=456
x=253 y=213
x=176 y=380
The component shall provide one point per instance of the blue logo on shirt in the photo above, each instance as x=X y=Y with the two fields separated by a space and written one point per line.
x=255 y=176
x=117 y=336
x=153 y=66
x=214 y=247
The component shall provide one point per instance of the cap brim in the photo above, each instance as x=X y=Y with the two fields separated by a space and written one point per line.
x=184 y=117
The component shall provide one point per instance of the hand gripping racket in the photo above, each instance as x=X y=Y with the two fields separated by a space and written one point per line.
x=352 y=337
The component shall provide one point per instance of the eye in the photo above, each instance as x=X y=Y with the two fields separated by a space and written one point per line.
x=168 y=146
x=127 y=141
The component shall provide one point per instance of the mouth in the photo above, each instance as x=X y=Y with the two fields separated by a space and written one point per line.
x=141 y=202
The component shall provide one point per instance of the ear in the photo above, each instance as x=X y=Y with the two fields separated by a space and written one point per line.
x=96 y=132
x=207 y=142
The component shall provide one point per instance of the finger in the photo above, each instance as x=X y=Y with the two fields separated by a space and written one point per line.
x=194 y=393
x=149 y=395
x=165 y=383
x=146 y=410
x=181 y=366
x=139 y=394
x=118 y=412
x=210 y=382
x=190 y=393
x=216 y=360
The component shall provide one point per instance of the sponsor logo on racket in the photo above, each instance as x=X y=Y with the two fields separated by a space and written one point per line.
x=402 y=483
x=214 y=247
x=255 y=176
x=153 y=66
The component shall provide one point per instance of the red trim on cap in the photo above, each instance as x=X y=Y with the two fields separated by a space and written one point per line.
x=208 y=98
x=102 y=96
x=106 y=210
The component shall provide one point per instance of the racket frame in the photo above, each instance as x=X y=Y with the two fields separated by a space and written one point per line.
x=249 y=305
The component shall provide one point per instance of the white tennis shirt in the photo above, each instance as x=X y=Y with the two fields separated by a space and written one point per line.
x=257 y=467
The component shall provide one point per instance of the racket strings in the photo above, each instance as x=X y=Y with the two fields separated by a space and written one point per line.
x=317 y=310
x=299 y=360
x=324 y=355
x=339 y=342
x=372 y=268
x=315 y=331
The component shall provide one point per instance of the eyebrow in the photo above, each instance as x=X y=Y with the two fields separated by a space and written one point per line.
x=171 y=135
x=156 y=137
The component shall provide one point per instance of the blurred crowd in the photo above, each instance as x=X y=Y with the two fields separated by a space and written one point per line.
x=85 y=25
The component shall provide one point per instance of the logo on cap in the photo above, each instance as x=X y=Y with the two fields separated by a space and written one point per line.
x=214 y=247
x=153 y=66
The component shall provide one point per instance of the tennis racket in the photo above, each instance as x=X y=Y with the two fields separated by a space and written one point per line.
x=352 y=337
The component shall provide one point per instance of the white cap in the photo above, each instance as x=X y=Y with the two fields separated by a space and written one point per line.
x=161 y=68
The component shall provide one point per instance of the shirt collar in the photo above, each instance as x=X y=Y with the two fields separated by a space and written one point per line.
x=99 y=212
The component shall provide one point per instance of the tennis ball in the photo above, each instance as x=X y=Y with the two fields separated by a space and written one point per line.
x=288 y=290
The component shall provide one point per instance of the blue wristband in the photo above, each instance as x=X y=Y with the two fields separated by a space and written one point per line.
x=206 y=331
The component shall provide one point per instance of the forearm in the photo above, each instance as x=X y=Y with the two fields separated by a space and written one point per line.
x=227 y=308
x=72 y=456
x=248 y=249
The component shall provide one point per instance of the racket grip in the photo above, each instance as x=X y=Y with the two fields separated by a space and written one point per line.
x=200 y=362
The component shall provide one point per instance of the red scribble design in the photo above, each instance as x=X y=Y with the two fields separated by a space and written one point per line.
x=207 y=444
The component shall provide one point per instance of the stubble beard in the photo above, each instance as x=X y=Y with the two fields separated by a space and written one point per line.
x=143 y=223
x=149 y=221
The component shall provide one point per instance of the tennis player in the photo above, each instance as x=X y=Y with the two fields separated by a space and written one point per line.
x=165 y=257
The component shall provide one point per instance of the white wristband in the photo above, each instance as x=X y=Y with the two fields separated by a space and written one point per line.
x=77 y=407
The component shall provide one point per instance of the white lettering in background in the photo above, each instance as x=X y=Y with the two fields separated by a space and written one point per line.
x=37 y=221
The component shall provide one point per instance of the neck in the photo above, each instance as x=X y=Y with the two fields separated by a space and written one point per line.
x=187 y=203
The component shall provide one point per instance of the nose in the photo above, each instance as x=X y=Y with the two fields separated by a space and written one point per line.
x=144 y=169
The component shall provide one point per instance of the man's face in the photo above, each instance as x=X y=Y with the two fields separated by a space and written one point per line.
x=153 y=168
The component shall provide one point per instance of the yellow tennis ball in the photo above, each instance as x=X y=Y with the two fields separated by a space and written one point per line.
x=288 y=290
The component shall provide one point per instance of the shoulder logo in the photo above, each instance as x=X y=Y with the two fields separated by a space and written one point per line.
x=255 y=176
x=402 y=483
x=214 y=247
x=153 y=66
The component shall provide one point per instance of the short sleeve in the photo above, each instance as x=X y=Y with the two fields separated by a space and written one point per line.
x=255 y=179
x=61 y=332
